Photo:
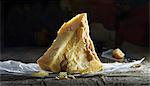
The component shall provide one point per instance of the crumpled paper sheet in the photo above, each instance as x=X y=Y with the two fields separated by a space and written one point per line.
x=19 y=68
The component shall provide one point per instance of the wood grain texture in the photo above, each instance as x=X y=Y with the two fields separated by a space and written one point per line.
x=90 y=81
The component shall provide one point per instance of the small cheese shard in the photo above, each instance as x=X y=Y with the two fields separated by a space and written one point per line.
x=72 y=50
x=118 y=54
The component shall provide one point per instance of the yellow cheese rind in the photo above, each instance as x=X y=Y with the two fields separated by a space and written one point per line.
x=72 y=50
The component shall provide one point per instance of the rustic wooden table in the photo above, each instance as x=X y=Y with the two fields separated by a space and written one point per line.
x=9 y=80
x=32 y=54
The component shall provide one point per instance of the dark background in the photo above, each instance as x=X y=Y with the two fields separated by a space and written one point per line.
x=22 y=20
x=35 y=23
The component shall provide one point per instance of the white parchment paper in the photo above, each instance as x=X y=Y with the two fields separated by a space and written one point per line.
x=19 y=68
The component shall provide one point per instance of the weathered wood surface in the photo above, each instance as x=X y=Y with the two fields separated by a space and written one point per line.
x=90 y=81
x=32 y=54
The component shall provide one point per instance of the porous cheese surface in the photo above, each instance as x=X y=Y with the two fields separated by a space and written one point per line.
x=72 y=50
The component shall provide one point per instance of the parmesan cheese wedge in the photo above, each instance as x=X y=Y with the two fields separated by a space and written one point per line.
x=72 y=50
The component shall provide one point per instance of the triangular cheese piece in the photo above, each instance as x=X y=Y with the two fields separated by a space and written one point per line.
x=72 y=50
